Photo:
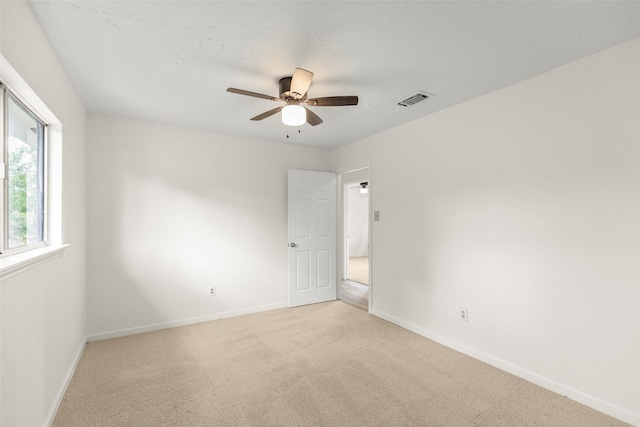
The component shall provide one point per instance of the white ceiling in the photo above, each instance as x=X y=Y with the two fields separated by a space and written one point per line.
x=171 y=61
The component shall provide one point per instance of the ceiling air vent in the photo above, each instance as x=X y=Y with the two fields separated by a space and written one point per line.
x=414 y=99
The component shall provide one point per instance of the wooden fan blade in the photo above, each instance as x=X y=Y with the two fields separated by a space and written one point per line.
x=300 y=82
x=254 y=94
x=267 y=114
x=333 y=101
x=312 y=118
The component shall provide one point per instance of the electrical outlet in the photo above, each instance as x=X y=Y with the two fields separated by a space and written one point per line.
x=463 y=315
x=212 y=292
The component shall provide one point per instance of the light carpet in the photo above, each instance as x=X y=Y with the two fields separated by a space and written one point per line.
x=320 y=365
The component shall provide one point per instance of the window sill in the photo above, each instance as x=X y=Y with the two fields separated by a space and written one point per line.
x=11 y=265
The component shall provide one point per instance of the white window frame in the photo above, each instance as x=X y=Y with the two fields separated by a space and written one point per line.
x=5 y=93
x=16 y=261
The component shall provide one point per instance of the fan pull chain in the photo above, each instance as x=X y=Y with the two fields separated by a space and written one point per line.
x=288 y=133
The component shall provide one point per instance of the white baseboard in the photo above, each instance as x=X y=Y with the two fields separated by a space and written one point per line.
x=67 y=380
x=183 y=322
x=564 y=390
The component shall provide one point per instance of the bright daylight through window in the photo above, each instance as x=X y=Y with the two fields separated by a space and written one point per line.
x=23 y=190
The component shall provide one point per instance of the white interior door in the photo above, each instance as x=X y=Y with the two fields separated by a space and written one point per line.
x=312 y=237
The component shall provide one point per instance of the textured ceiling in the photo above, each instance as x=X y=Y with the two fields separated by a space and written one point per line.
x=171 y=61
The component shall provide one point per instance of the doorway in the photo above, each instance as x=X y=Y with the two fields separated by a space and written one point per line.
x=357 y=228
x=355 y=287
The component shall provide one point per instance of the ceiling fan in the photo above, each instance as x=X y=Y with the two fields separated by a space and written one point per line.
x=293 y=91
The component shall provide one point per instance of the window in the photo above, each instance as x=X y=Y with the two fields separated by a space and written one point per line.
x=23 y=168
x=30 y=177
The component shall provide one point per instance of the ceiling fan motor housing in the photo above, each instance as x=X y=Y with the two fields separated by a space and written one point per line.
x=284 y=86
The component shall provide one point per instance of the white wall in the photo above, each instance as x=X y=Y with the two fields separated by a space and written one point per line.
x=529 y=216
x=42 y=311
x=357 y=222
x=174 y=212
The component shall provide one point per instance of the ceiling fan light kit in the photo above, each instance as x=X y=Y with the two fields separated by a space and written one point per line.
x=294 y=115
x=293 y=91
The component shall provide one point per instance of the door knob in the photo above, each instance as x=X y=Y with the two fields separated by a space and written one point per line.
x=293 y=245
